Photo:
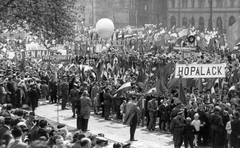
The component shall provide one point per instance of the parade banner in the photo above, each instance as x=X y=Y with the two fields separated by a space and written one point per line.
x=176 y=48
x=200 y=70
x=56 y=58
x=35 y=54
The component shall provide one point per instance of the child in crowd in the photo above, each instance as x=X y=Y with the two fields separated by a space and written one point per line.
x=197 y=124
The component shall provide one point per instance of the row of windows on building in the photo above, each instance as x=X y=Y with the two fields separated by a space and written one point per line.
x=201 y=3
x=201 y=22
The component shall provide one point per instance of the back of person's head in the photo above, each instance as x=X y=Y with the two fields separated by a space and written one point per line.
x=16 y=132
x=43 y=123
x=38 y=144
x=117 y=145
x=51 y=133
x=76 y=145
x=134 y=98
x=81 y=136
x=85 y=143
x=9 y=107
x=236 y=114
x=3 y=143
x=20 y=113
x=57 y=137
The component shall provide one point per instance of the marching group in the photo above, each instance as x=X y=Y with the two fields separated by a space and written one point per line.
x=210 y=118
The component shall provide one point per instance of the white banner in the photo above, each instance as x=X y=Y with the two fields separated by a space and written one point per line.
x=200 y=70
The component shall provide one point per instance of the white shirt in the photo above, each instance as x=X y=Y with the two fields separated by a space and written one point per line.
x=228 y=127
x=196 y=124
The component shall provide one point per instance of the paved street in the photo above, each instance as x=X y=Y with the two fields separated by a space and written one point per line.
x=113 y=130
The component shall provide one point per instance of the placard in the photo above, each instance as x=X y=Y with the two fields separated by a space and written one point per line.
x=187 y=54
x=56 y=58
x=176 y=48
x=200 y=70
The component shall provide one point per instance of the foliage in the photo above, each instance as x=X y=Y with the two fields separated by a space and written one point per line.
x=48 y=19
x=109 y=8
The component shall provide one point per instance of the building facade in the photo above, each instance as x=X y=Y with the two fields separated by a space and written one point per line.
x=149 y=12
x=182 y=13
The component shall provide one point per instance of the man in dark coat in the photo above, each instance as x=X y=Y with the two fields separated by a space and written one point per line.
x=11 y=87
x=164 y=112
x=217 y=127
x=5 y=133
x=107 y=103
x=117 y=103
x=34 y=95
x=74 y=96
x=131 y=117
x=176 y=127
x=83 y=111
x=52 y=85
x=235 y=135
x=64 y=91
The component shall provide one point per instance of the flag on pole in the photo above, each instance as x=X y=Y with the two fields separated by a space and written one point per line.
x=181 y=94
x=183 y=33
x=199 y=84
x=23 y=62
x=233 y=34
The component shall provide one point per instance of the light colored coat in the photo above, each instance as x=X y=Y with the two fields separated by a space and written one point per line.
x=86 y=104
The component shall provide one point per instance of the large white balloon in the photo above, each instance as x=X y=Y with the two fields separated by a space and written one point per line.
x=105 y=28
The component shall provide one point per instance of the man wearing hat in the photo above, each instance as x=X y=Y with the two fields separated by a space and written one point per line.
x=64 y=88
x=74 y=96
x=131 y=118
x=100 y=142
x=5 y=133
x=34 y=95
x=217 y=127
x=3 y=93
x=11 y=87
x=83 y=111
x=107 y=103
x=176 y=128
x=53 y=89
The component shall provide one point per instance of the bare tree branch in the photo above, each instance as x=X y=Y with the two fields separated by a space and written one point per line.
x=5 y=6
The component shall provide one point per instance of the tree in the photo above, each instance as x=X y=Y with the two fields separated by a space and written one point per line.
x=48 y=19
x=110 y=8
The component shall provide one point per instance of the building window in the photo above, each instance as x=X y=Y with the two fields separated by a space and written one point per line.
x=220 y=3
x=193 y=3
x=173 y=3
x=193 y=21
x=201 y=3
x=217 y=3
x=219 y=25
x=184 y=22
x=201 y=24
x=173 y=21
x=232 y=3
x=186 y=3
x=183 y=3
x=232 y=20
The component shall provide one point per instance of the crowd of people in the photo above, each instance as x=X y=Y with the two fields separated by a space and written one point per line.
x=22 y=129
x=210 y=117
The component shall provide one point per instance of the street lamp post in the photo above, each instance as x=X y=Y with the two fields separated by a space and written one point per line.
x=210 y=19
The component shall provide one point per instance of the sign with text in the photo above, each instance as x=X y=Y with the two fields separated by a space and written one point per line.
x=56 y=58
x=200 y=70
x=35 y=54
x=176 y=48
